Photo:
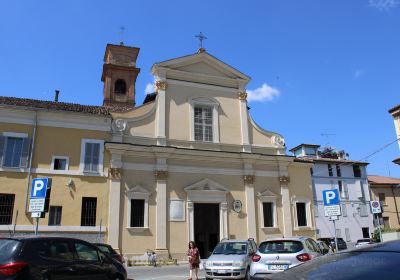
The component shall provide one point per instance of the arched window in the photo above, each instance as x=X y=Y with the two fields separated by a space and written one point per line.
x=120 y=87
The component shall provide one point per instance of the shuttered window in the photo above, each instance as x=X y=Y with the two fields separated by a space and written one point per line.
x=88 y=214
x=363 y=210
x=92 y=156
x=14 y=151
x=6 y=208
x=137 y=212
x=55 y=215
x=344 y=210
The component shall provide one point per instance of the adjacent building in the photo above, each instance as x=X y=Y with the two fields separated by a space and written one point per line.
x=387 y=191
x=395 y=112
x=188 y=164
x=333 y=170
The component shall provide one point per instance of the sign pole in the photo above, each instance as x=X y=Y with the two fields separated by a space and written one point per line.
x=37 y=226
x=378 y=222
x=334 y=228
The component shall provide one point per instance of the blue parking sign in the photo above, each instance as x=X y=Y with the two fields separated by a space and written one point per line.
x=331 y=197
x=39 y=187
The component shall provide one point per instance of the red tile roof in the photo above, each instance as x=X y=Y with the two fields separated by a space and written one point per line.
x=62 y=106
x=382 y=180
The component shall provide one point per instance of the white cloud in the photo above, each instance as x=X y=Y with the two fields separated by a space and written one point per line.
x=263 y=93
x=149 y=88
x=383 y=5
x=358 y=73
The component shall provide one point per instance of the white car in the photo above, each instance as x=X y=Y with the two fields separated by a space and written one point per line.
x=278 y=254
x=364 y=242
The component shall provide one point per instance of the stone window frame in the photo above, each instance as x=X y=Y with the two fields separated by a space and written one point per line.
x=307 y=201
x=82 y=157
x=60 y=157
x=268 y=196
x=138 y=192
x=205 y=102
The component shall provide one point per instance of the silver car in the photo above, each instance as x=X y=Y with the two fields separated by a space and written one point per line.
x=231 y=259
x=279 y=254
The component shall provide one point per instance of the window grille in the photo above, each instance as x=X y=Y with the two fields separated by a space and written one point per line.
x=55 y=215
x=6 y=208
x=88 y=215
x=301 y=214
x=268 y=214
x=137 y=212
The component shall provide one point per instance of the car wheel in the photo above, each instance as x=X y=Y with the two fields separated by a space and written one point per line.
x=118 y=278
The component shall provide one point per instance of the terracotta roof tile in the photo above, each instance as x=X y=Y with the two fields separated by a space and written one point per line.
x=62 y=106
x=375 y=179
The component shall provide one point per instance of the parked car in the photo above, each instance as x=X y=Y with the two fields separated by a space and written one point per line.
x=330 y=241
x=56 y=258
x=279 y=254
x=109 y=250
x=379 y=261
x=325 y=249
x=364 y=242
x=230 y=259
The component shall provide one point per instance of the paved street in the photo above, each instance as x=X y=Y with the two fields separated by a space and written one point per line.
x=174 y=272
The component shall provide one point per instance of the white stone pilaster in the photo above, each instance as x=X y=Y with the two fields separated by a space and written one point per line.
x=190 y=210
x=161 y=210
x=286 y=209
x=223 y=221
x=114 y=201
x=250 y=206
x=244 y=125
x=161 y=86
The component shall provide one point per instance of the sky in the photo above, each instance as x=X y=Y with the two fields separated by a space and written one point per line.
x=323 y=71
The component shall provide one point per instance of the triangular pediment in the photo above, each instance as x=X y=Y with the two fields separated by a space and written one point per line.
x=137 y=189
x=206 y=185
x=203 y=64
x=266 y=193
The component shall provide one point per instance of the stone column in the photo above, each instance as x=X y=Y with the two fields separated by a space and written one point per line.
x=223 y=220
x=286 y=207
x=161 y=212
x=190 y=210
x=244 y=121
x=250 y=206
x=161 y=86
x=114 y=201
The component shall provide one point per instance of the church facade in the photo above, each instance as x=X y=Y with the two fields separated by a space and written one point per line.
x=191 y=164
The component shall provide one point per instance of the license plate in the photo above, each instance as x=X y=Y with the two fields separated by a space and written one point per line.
x=278 y=266
x=221 y=271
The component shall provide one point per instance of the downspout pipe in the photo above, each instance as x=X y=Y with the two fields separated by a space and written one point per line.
x=30 y=163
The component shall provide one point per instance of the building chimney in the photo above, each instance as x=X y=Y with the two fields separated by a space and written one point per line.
x=57 y=94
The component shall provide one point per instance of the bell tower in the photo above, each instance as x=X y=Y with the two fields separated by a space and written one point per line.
x=119 y=75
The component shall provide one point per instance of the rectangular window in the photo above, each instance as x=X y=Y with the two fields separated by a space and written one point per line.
x=338 y=171
x=344 y=210
x=363 y=210
x=60 y=163
x=311 y=171
x=301 y=214
x=338 y=232
x=137 y=212
x=382 y=198
x=386 y=222
x=6 y=208
x=92 y=156
x=203 y=123
x=88 y=214
x=55 y=215
x=330 y=170
x=268 y=212
x=14 y=151
x=347 y=233
x=342 y=190
x=357 y=171
x=316 y=209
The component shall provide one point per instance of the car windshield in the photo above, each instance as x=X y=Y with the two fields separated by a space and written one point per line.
x=231 y=248
x=280 y=246
x=8 y=247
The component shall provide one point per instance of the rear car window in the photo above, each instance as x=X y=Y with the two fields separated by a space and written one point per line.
x=105 y=249
x=280 y=246
x=231 y=248
x=86 y=252
x=53 y=249
x=8 y=248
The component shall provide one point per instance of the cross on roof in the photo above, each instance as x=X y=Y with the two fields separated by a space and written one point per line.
x=201 y=37
x=121 y=32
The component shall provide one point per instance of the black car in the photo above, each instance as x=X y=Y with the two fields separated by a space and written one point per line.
x=331 y=243
x=380 y=261
x=108 y=250
x=55 y=258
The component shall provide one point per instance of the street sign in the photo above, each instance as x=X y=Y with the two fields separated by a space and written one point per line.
x=331 y=202
x=376 y=207
x=38 y=194
x=36 y=214
x=333 y=218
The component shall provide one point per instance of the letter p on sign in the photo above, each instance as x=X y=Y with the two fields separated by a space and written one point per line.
x=37 y=186
x=331 y=197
